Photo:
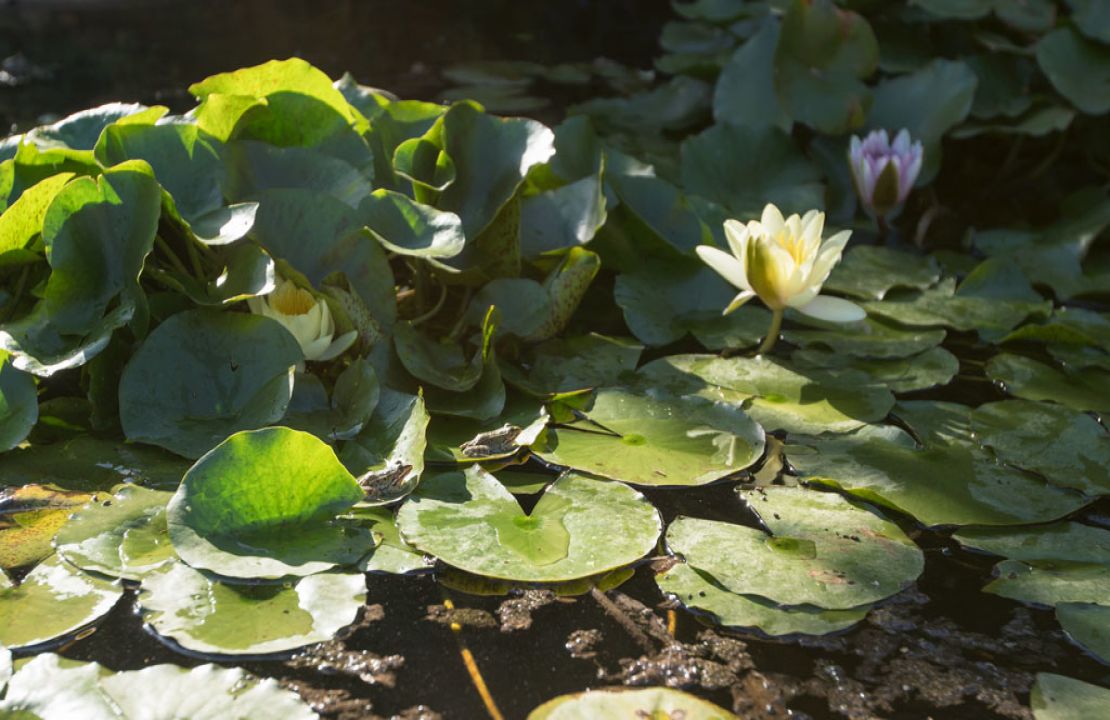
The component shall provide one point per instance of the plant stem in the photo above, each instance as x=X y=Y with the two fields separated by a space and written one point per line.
x=173 y=258
x=194 y=258
x=772 y=333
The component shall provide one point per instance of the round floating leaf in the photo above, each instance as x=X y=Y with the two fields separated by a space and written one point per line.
x=1055 y=697
x=929 y=369
x=91 y=463
x=1059 y=542
x=656 y=702
x=21 y=223
x=392 y=555
x=31 y=516
x=1051 y=583
x=744 y=168
x=564 y=217
x=203 y=375
x=342 y=416
x=822 y=551
x=1033 y=380
x=939 y=484
x=776 y=396
x=1092 y=18
x=123 y=535
x=255 y=167
x=869 y=338
x=52 y=688
x=745 y=90
x=943 y=305
x=573 y=364
x=262 y=504
x=647 y=439
x=1079 y=68
x=407 y=227
x=215 y=618
x=1088 y=625
x=822 y=57
x=869 y=271
x=661 y=302
x=465 y=440
x=387 y=456
x=53 y=600
x=699 y=592
x=581 y=526
x=1069 y=448
x=742 y=328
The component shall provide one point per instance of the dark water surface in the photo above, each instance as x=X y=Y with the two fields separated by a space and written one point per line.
x=942 y=650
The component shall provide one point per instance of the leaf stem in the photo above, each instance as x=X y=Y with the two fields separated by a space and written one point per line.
x=435 y=309
x=772 y=333
x=173 y=258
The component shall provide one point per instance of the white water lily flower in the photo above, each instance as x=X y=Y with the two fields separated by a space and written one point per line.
x=884 y=172
x=783 y=262
x=309 y=320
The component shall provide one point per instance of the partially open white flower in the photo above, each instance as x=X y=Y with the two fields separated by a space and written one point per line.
x=309 y=320
x=783 y=262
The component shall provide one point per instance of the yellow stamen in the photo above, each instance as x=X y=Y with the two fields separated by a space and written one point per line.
x=289 y=299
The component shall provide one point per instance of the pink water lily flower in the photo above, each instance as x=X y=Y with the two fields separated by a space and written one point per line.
x=884 y=173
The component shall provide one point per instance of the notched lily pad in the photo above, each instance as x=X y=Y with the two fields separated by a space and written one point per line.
x=1034 y=380
x=581 y=526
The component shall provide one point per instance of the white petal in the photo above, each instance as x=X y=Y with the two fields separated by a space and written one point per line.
x=828 y=257
x=315 y=349
x=804 y=297
x=736 y=233
x=739 y=300
x=771 y=220
x=725 y=264
x=338 y=346
x=832 y=309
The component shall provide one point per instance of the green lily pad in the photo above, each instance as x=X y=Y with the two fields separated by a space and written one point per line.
x=254 y=167
x=869 y=338
x=1055 y=697
x=1067 y=327
x=203 y=375
x=30 y=516
x=821 y=551
x=698 y=591
x=869 y=271
x=1092 y=19
x=572 y=364
x=1050 y=583
x=1088 y=625
x=929 y=369
x=1078 y=68
x=407 y=227
x=186 y=162
x=38 y=347
x=938 y=484
x=656 y=702
x=653 y=439
x=392 y=554
x=660 y=302
x=207 y=616
x=563 y=217
x=342 y=416
x=466 y=440
x=1069 y=448
x=91 y=463
x=1057 y=542
x=1033 y=380
x=19 y=406
x=928 y=103
x=744 y=168
x=944 y=306
x=53 y=600
x=81 y=130
x=52 y=688
x=123 y=535
x=262 y=504
x=21 y=223
x=742 y=328
x=774 y=394
x=387 y=456
x=581 y=526
x=246 y=271
x=745 y=90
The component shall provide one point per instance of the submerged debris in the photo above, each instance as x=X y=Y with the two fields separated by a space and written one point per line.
x=516 y=612
x=465 y=617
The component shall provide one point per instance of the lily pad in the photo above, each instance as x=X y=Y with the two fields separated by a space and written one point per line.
x=631 y=703
x=1058 y=542
x=1069 y=448
x=1078 y=68
x=573 y=364
x=1033 y=380
x=652 y=439
x=774 y=394
x=945 y=306
x=262 y=504
x=91 y=463
x=938 y=484
x=203 y=375
x=342 y=416
x=407 y=227
x=1088 y=625
x=698 y=591
x=207 y=616
x=660 y=302
x=30 y=515
x=869 y=271
x=123 y=535
x=466 y=440
x=821 y=551
x=392 y=554
x=254 y=167
x=869 y=338
x=52 y=601
x=745 y=90
x=581 y=526
x=1050 y=583
x=932 y=368
x=1055 y=697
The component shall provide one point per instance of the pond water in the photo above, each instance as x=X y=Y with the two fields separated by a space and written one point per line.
x=940 y=649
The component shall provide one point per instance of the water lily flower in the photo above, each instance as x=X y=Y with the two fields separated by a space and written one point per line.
x=307 y=318
x=784 y=263
x=884 y=173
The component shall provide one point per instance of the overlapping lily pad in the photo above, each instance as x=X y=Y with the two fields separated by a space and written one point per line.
x=1034 y=380
x=1055 y=697
x=932 y=368
x=122 y=535
x=653 y=439
x=263 y=505
x=580 y=527
x=869 y=338
x=387 y=456
x=392 y=554
x=628 y=702
x=53 y=600
x=30 y=516
x=204 y=615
